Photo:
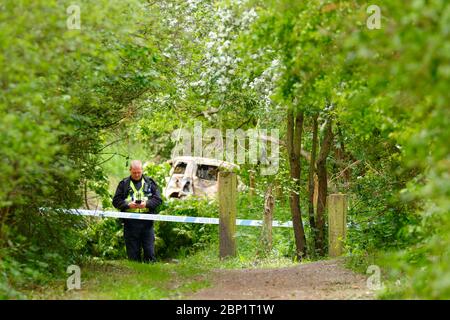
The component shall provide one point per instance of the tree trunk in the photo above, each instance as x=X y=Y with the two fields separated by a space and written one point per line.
x=294 y=138
x=4 y=212
x=311 y=184
x=323 y=186
x=252 y=184
x=342 y=159
x=86 y=202
x=269 y=204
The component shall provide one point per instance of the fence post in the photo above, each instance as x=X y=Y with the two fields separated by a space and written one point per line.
x=337 y=223
x=227 y=213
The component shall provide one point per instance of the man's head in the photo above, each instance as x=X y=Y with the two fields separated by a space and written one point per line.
x=136 y=169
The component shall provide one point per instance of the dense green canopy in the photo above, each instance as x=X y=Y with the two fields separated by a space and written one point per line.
x=76 y=103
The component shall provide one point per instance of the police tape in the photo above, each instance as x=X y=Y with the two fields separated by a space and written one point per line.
x=160 y=217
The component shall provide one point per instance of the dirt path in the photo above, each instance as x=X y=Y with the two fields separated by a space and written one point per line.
x=317 y=280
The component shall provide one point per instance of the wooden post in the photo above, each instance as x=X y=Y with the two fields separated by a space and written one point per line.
x=227 y=214
x=337 y=223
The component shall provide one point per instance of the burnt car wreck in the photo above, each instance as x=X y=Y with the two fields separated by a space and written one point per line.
x=194 y=176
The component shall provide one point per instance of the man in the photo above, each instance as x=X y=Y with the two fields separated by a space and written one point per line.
x=138 y=193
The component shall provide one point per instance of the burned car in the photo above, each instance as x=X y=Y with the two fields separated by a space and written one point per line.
x=194 y=176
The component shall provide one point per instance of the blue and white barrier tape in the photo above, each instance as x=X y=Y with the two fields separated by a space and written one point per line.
x=160 y=217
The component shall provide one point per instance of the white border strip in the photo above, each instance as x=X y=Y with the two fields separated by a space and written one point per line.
x=160 y=217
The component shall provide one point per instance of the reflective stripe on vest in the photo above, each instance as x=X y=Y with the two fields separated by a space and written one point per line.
x=137 y=195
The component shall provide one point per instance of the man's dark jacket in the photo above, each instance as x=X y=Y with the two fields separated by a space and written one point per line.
x=124 y=188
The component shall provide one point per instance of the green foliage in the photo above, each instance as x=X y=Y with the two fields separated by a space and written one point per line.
x=75 y=105
x=407 y=90
x=174 y=239
x=38 y=252
x=389 y=103
x=61 y=89
x=102 y=239
x=159 y=173
x=377 y=218
x=249 y=239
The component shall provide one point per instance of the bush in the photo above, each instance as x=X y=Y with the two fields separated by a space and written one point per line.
x=61 y=90
x=37 y=250
x=102 y=239
x=174 y=239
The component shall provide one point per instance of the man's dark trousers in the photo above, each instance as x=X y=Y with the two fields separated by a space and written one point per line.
x=139 y=234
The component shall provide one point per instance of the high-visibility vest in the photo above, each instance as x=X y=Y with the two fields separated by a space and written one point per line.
x=137 y=195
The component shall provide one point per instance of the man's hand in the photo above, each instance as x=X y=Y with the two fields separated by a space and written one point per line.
x=141 y=205
x=134 y=205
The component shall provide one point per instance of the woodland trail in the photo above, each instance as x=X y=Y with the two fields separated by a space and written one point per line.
x=321 y=280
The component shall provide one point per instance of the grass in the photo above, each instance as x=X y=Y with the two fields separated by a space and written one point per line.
x=126 y=280
x=393 y=282
x=121 y=279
